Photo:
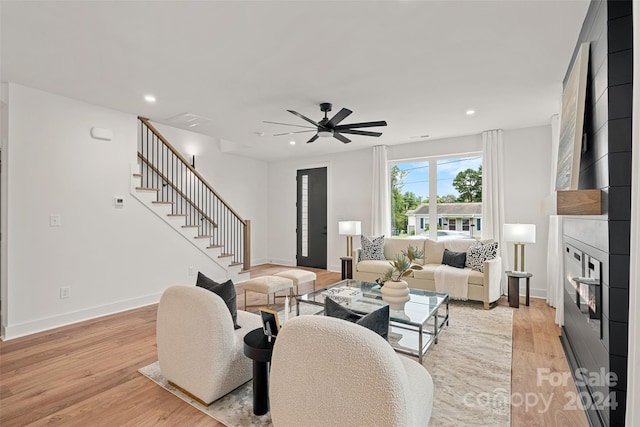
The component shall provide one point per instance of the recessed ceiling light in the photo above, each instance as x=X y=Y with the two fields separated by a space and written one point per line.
x=150 y=98
x=471 y=112
x=292 y=142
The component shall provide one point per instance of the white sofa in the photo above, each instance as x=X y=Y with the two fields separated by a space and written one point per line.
x=198 y=349
x=330 y=372
x=484 y=287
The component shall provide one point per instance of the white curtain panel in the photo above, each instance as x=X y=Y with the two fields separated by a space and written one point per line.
x=381 y=197
x=555 y=255
x=555 y=275
x=633 y=357
x=493 y=194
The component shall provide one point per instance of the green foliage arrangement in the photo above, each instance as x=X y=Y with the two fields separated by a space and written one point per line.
x=402 y=265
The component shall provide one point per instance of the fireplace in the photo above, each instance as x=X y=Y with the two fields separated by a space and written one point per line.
x=584 y=287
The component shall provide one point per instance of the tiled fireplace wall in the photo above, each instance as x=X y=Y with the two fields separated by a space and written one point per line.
x=605 y=165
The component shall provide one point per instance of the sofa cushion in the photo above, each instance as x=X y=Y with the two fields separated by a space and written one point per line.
x=225 y=290
x=454 y=259
x=372 y=249
x=433 y=251
x=379 y=267
x=480 y=252
x=459 y=245
x=428 y=271
x=377 y=321
x=394 y=247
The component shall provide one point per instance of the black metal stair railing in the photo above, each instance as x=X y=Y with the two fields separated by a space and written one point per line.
x=180 y=185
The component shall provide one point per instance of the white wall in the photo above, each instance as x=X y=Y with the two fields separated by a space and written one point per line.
x=527 y=158
x=111 y=259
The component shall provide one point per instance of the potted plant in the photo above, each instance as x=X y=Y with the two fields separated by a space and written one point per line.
x=402 y=265
x=395 y=291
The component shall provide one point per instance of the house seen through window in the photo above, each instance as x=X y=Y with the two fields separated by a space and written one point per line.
x=454 y=183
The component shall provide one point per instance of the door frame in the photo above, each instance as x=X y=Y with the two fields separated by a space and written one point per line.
x=332 y=227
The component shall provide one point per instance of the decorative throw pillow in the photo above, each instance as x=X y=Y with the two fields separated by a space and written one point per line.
x=372 y=249
x=225 y=290
x=377 y=321
x=480 y=252
x=454 y=259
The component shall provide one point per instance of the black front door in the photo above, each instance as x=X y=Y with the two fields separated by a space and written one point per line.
x=311 y=227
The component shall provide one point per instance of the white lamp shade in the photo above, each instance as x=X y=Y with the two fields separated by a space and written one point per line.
x=519 y=233
x=349 y=228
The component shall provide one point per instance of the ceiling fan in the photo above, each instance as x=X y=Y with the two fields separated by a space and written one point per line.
x=330 y=127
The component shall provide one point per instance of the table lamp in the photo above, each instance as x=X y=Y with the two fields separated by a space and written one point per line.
x=519 y=234
x=349 y=229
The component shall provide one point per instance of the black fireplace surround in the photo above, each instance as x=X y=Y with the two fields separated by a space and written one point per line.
x=596 y=248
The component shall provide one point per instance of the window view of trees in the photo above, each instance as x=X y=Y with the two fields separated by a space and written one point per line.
x=401 y=202
x=459 y=191
x=468 y=183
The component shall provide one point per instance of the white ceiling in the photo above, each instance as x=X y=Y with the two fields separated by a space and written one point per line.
x=419 y=65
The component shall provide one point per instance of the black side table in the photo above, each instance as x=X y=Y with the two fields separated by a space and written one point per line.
x=347 y=267
x=514 y=287
x=258 y=348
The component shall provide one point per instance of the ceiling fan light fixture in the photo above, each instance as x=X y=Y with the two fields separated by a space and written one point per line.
x=326 y=133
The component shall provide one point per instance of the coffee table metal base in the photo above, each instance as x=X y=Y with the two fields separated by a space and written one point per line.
x=421 y=324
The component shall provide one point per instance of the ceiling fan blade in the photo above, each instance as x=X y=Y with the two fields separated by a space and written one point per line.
x=361 y=125
x=360 y=132
x=313 y=138
x=304 y=118
x=287 y=124
x=339 y=137
x=340 y=116
x=299 y=131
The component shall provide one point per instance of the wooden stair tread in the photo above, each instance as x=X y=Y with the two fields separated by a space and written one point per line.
x=244 y=271
x=225 y=255
x=137 y=175
x=214 y=246
x=190 y=226
x=147 y=189
x=159 y=202
x=177 y=215
x=233 y=264
x=203 y=236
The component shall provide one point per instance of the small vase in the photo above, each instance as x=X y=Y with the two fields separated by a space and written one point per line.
x=396 y=294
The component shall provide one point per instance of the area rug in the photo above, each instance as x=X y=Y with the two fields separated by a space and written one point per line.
x=234 y=410
x=470 y=366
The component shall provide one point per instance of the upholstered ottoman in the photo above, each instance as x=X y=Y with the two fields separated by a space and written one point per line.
x=266 y=285
x=299 y=277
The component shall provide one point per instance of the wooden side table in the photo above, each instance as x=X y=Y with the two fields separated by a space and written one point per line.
x=347 y=267
x=258 y=348
x=514 y=287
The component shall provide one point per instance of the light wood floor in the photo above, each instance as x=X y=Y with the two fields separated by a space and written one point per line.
x=86 y=374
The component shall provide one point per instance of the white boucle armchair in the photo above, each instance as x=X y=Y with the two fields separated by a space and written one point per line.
x=198 y=349
x=330 y=372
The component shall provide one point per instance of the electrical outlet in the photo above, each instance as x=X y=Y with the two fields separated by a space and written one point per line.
x=192 y=271
x=55 y=220
x=64 y=293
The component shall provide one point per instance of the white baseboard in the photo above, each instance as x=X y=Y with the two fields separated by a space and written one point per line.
x=286 y=262
x=535 y=293
x=28 y=328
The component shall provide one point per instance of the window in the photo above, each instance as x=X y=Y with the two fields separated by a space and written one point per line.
x=456 y=185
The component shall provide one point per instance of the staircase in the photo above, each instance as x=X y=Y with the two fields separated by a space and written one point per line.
x=165 y=182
